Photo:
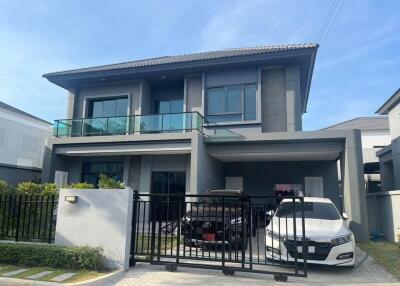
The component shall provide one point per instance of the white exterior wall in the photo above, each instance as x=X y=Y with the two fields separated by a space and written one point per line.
x=100 y=218
x=371 y=139
x=394 y=122
x=22 y=139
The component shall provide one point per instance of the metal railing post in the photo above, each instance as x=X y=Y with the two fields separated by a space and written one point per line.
x=50 y=236
x=136 y=198
x=18 y=215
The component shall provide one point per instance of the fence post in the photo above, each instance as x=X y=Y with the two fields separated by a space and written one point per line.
x=18 y=215
x=51 y=220
x=136 y=198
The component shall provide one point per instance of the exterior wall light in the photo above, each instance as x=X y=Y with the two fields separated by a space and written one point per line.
x=71 y=199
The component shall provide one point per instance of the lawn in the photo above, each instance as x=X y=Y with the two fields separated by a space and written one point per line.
x=81 y=275
x=385 y=254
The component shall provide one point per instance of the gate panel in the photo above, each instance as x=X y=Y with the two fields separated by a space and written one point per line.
x=231 y=233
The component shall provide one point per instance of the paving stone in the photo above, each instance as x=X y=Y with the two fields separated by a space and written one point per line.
x=15 y=272
x=39 y=275
x=63 y=277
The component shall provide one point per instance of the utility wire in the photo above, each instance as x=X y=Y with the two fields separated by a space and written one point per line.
x=329 y=20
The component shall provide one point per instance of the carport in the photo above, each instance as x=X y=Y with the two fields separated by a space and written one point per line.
x=305 y=158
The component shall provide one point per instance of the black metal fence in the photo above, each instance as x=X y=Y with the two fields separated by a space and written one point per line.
x=28 y=218
x=230 y=233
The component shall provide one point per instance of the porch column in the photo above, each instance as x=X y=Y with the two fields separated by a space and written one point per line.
x=127 y=165
x=354 y=195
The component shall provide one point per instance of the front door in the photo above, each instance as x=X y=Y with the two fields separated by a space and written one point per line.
x=168 y=184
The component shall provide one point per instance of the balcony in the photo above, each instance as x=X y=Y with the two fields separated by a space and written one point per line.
x=135 y=124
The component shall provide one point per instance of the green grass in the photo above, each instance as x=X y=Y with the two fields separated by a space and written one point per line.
x=81 y=275
x=385 y=254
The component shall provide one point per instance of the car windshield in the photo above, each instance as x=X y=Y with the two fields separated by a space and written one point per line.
x=313 y=210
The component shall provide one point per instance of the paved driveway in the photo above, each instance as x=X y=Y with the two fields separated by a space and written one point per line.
x=365 y=272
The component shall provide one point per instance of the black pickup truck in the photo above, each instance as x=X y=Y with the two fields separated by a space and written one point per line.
x=222 y=217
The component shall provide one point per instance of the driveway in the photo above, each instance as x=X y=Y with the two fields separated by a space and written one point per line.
x=365 y=272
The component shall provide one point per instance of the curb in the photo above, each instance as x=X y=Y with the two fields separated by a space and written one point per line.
x=99 y=281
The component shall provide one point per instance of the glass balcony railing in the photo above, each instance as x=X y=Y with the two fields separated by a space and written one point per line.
x=137 y=124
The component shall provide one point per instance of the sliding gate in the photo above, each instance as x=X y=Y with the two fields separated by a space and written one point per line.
x=229 y=233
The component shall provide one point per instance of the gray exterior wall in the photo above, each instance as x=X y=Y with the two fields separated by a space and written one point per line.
x=14 y=175
x=273 y=100
x=193 y=94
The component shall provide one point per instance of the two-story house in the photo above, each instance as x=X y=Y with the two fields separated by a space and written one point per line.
x=389 y=157
x=211 y=120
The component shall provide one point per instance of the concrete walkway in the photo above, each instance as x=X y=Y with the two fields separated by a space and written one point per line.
x=366 y=272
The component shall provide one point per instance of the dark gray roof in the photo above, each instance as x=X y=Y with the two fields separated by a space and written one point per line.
x=227 y=53
x=16 y=110
x=362 y=123
x=390 y=103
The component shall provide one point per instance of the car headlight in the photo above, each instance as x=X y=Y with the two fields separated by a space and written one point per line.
x=341 y=239
x=275 y=235
x=186 y=219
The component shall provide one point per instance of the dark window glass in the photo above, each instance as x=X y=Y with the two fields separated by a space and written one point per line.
x=216 y=100
x=121 y=107
x=169 y=106
x=234 y=99
x=91 y=171
x=326 y=211
x=97 y=109
x=250 y=106
x=108 y=107
x=231 y=103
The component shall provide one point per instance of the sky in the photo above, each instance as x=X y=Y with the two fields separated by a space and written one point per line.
x=356 y=70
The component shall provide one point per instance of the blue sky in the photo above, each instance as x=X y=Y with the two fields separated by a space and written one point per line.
x=357 y=66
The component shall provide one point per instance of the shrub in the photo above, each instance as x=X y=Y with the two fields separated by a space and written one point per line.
x=109 y=183
x=3 y=186
x=49 y=189
x=29 y=188
x=24 y=254
x=79 y=186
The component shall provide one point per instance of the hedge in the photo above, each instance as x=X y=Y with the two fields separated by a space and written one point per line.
x=27 y=254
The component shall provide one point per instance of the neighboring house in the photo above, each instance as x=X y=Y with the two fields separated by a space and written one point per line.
x=374 y=136
x=22 y=141
x=389 y=157
x=211 y=120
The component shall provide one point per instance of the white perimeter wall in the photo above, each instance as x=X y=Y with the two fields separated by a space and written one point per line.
x=384 y=214
x=100 y=218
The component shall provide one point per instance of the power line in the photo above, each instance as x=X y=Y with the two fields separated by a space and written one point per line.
x=329 y=20
x=333 y=21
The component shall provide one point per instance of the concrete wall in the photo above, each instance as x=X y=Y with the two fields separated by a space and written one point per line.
x=384 y=214
x=206 y=171
x=353 y=188
x=193 y=96
x=273 y=100
x=293 y=100
x=100 y=218
x=14 y=175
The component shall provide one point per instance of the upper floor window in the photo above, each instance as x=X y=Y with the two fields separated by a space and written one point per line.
x=110 y=107
x=232 y=103
x=169 y=106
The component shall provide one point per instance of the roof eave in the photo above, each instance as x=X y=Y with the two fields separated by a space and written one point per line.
x=310 y=73
x=389 y=104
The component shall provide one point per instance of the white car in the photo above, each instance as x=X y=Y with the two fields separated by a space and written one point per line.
x=328 y=239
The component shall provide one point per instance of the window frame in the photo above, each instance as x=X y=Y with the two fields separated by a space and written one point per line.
x=242 y=103
x=94 y=97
